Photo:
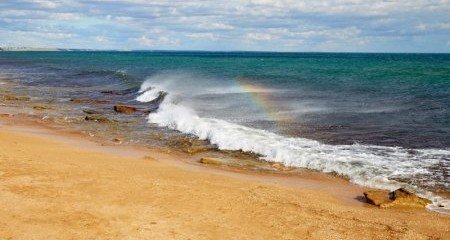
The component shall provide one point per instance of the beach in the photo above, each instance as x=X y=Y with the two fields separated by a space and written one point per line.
x=64 y=186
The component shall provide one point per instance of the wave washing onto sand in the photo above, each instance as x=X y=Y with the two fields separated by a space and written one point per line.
x=367 y=165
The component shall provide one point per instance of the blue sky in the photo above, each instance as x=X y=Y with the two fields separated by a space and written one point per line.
x=255 y=25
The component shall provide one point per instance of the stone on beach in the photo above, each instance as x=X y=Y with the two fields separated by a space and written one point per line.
x=377 y=197
x=125 y=109
x=397 y=198
x=231 y=162
x=5 y=115
x=404 y=197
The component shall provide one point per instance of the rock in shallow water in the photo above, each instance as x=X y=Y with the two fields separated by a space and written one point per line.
x=125 y=109
x=97 y=118
x=88 y=100
x=15 y=98
x=41 y=107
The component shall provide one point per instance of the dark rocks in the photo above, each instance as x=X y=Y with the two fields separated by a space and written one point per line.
x=122 y=92
x=97 y=118
x=125 y=109
x=397 y=198
x=157 y=101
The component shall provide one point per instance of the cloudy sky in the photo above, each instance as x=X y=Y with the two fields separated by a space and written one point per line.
x=263 y=25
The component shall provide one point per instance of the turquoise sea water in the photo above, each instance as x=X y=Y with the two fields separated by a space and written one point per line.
x=380 y=119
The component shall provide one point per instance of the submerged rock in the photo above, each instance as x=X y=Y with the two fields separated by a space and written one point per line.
x=121 y=92
x=397 y=198
x=41 y=107
x=97 y=118
x=88 y=100
x=91 y=111
x=125 y=109
x=15 y=98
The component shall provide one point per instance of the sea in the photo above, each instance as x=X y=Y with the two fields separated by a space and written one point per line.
x=381 y=120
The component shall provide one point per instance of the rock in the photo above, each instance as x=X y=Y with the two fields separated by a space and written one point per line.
x=212 y=161
x=90 y=111
x=5 y=115
x=41 y=107
x=118 y=140
x=280 y=167
x=157 y=101
x=121 y=92
x=397 y=198
x=377 y=197
x=125 y=109
x=242 y=163
x=97 y=118
x=16 y=98
x=404 y=197
x=88 y=100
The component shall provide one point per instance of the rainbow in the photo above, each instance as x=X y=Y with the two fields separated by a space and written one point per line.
x=259 y=96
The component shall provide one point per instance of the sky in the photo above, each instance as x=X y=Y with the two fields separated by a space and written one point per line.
x=233 y=25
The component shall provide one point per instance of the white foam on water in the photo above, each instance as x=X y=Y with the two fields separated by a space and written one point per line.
x=367 y=165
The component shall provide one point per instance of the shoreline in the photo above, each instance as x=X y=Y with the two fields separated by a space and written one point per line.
x=60 y=184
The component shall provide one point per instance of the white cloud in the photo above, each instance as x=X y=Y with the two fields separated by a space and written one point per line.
x=101 y=39
x=146 y=41
x=208 y=36
x=260 y=36
x=263 y=24
x=215 y=26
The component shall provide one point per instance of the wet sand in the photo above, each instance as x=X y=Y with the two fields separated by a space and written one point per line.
x=56 y=185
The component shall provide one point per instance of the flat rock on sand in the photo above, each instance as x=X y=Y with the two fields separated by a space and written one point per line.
x=398 y=198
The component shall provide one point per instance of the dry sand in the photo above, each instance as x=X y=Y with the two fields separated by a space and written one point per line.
x=51 y=188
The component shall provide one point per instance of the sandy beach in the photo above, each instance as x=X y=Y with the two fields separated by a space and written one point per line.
x=56 y=186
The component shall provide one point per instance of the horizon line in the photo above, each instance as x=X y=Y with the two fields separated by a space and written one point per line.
x=49 y=49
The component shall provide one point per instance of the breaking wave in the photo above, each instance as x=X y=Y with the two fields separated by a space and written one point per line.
x=368 y=165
